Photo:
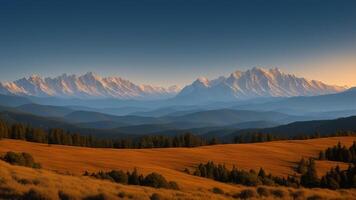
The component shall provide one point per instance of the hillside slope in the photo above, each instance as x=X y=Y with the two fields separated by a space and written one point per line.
x=302 y=128
x=50 y=184
x=276 y=157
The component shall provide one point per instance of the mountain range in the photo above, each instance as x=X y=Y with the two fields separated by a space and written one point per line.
x=253 y=83
x=89 y=85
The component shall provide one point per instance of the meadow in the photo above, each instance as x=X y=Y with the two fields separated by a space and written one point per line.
x=63 y=166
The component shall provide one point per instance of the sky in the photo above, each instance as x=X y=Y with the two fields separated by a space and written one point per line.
x=173 y=42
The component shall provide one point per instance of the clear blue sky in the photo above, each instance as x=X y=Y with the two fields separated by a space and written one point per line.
x=173 y=42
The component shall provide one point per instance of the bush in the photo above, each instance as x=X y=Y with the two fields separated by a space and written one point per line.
x=23 y=181
x=133 y=178
x=247 y=178
x=9 y=193
x=119 y=176
x=263 y=192
x=217 y=190
x=64 y=196
x=155 y=196
x=121 y=194
x=173 y=185
x=278 y=193
x=297 y=195
x=155 y=180
x=247 y=194
x=35 y=195
x=21 y=159
x=186 y=170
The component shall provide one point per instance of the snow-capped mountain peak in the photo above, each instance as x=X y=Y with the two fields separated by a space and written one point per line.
x=202 y=81
x=254 y=83
x=89 y=85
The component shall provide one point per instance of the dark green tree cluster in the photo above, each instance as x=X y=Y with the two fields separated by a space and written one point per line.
x=250 y=178
x=309 y=177
x=255 y=137
x=339 y=153
x=336 y=178
x=134 y=178
x=21 y=159
x=63 y=137
x=51 y=136
x=159 y=141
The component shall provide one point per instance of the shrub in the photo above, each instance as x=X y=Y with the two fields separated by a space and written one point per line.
x=297 y=195
x=121 y=194
x=64 y=196
x=186 y=170
x=247 y=194
x=263 y=192
x=155 y=180
x=35 y=195
x=173 y=185
x=9 y=193
x=217 y=190
x=278 y=193
x=23 y=181
x=21 y=159
x=155 y=196
x=118 y=176
x=133 y=178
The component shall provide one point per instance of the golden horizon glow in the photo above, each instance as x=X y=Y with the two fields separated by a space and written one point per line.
x=331 y=69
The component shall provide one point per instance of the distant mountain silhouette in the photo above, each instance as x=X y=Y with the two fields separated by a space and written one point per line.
x=253 y=83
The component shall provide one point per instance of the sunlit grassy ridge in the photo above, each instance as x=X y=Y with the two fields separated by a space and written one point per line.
x=277 y=157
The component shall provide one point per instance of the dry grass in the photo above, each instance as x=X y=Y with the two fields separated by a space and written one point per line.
x=50 y=183
x=276 y=157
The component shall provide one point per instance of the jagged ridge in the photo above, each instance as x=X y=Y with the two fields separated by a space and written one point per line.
x=89 y=85
x=254 y=83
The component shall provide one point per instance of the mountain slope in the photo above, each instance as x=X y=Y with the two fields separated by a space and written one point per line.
x=89 y=85
x=11 y=100
x=332 y=102
x=253 y=83
x=323 y=127
x=223 y=117
x=44 y=110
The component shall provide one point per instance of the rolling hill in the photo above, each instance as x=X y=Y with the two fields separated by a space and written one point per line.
x=323 y=103
x=278 y=157
x=12 y=100
x=45 y=110
x=323 y=127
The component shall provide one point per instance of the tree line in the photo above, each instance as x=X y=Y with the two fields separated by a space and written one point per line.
x=220 y=173
x=134 y=178
x=340 y=153
x=256 y=137
x=333 y=179
x=63 y=137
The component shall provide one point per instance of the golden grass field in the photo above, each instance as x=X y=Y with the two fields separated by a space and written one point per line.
x=277 y=157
